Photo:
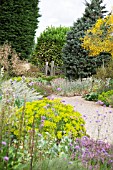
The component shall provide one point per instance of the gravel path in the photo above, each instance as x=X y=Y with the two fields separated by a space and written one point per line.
x=99 y=119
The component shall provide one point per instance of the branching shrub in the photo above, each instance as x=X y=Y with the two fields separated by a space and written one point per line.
x=9 y=59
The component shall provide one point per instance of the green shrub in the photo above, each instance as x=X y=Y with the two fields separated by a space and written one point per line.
x=105 y=97
x=50 y=116
x=93 y=96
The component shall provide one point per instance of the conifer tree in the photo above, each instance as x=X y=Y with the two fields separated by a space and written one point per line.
x=76 y=60
x=18 y=24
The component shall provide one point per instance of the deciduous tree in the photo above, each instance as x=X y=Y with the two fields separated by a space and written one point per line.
x=100 y=37
x=49 y=46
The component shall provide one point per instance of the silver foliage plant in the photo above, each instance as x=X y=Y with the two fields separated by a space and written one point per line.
x=71 y=88
x=18 y=90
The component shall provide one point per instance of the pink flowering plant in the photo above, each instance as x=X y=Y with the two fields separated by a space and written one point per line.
x=94 y=154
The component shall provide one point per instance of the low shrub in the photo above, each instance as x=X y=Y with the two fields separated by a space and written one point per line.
x=65 y=87
x=93 y=96
x=106 y=97
x=50 y=116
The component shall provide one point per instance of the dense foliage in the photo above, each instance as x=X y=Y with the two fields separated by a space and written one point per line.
x=106 y=98
x=100 y=37
x=51 y=116
x=18 y=24
x=49 y=46
x=76 y=60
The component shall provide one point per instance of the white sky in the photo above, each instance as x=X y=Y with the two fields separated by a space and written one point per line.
x=62 y=12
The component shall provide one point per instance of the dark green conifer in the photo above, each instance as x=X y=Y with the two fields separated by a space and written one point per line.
x=18 y=24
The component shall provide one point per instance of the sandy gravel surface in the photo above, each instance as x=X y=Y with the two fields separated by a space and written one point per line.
x=99 y=119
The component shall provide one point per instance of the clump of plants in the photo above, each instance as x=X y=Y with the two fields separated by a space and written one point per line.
x=38 y=130
x=94 y=154
x=106 y=98
x=65 y=87
x=98 y=87
x=92 y=96
x=39 y=85
x=18 y=91
x=51 y=116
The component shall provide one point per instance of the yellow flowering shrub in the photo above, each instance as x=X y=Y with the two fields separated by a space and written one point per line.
x=100 y=37
x=49 y=116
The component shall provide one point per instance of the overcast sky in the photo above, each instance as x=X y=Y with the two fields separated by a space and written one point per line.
x=62 y=12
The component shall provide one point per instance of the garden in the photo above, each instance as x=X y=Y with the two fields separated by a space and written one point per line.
x=38 y=129
x=43 y=133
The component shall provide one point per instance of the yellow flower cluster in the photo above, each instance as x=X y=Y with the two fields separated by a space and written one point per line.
x=50 y=116
x=100 y=37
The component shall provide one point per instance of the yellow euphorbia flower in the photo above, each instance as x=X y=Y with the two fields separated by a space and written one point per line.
x=49 y=116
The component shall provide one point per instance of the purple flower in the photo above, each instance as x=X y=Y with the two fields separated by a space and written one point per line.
x=70 y=144
x=6 y=158
x=97 y=121
x=31 y=83
x=39 y=135
x=110 y=111
x=70 y=162
x=77 y=147
x=3 y=143
x=111 y=161
x=100 y=102
x=49 y=97
x=41 y=125
x=58 y=89
x=63 y=101
x=43 y=117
